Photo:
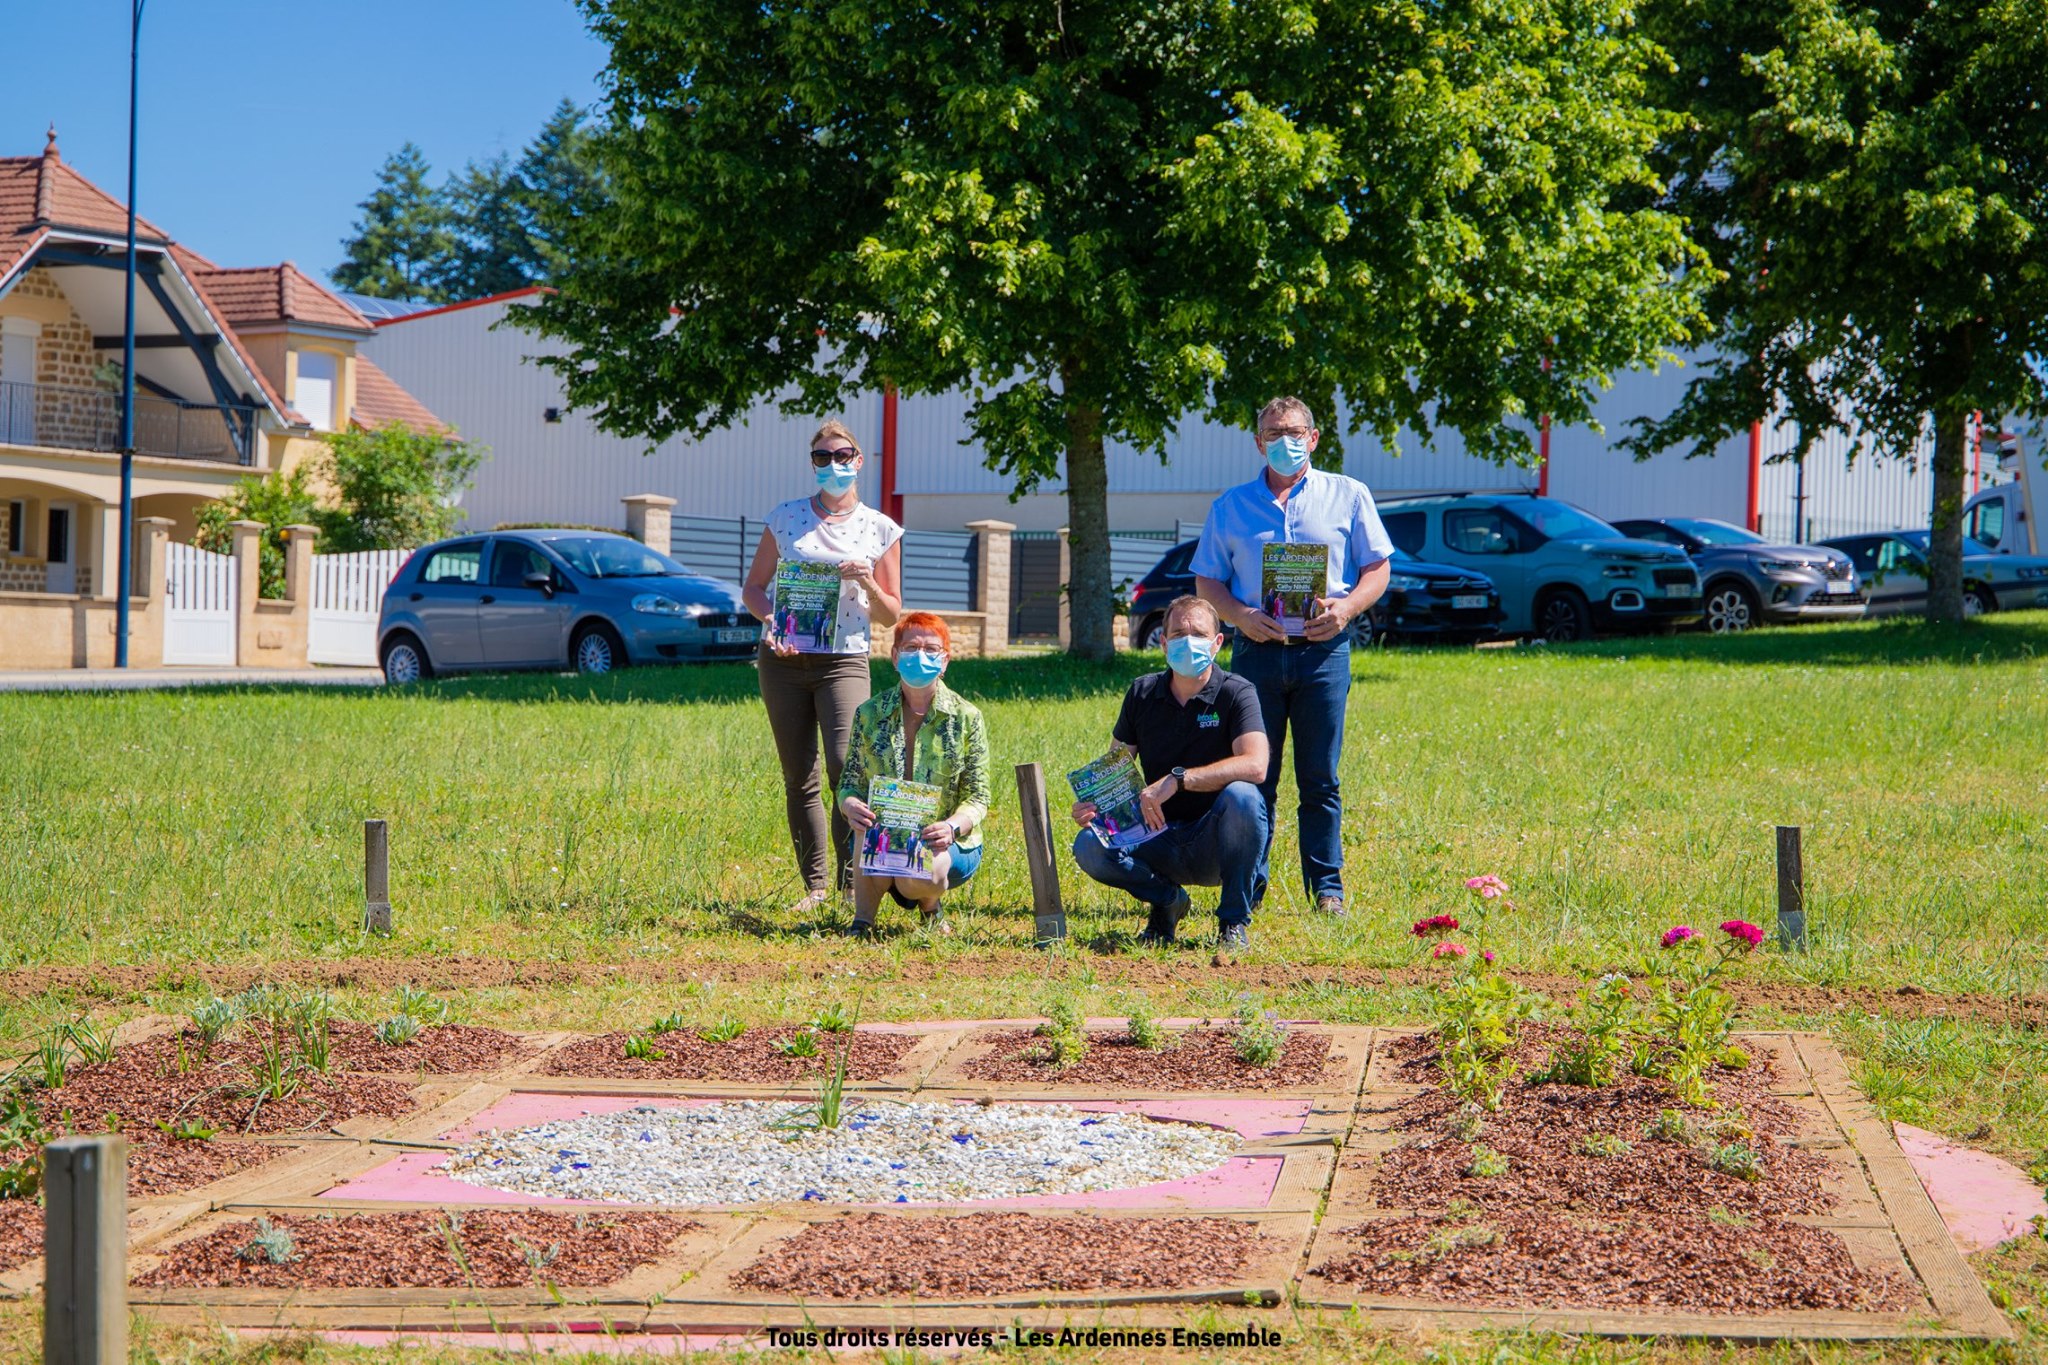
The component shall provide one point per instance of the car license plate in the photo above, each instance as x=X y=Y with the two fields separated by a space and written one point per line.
x=1840 y=585
x=1475 y=601
x=741 y=636
x=1681 y=590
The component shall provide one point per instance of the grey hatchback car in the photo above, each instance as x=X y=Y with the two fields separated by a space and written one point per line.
x=585 y=600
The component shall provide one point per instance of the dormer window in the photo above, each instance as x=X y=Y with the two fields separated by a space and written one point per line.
x=315 y=394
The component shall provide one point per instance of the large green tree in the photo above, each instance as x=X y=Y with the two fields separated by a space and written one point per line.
x=403 y=237
x=1103 y=218
x=1872 y=181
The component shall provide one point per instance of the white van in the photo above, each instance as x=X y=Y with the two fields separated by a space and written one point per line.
x=2011 y=517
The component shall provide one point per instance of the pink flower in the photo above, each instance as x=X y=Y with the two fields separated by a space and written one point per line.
x=1488 y=887
x=1448 y=950
x=1744 y=930
x=1486 y=954
x=1677 y=934
x=1435 y=924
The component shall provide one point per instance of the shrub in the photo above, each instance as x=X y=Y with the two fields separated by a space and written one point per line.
x=1605 y=1018
x=722 y=1030
x=1064 y=1031
x=271 y=1243
x=1738 y=1159
x=1143 y=1027
x=214 y=1020
x=802 y=1043
x=1260 y=1041
x=1672 y=1126
x=94 y=1047
x=1486 y=1163
x=421 y=1005
x=834 y=1018
x=668 y=1023
x=398 y=1030
x=641 y=1048
x=1479 y=1012
x=1605 y=1145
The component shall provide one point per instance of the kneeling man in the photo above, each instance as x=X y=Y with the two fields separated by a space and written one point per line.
x=1203 y=750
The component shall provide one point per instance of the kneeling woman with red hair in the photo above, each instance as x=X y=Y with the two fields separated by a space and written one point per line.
x=923 y=731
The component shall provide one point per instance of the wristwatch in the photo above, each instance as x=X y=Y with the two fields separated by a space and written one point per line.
x=1180 y=780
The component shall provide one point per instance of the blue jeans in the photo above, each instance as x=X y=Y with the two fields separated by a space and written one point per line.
x=1303 y=687
x=1224 y=848
x=965 y=863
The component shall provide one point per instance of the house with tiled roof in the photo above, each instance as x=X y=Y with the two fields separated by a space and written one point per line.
x=238 y=372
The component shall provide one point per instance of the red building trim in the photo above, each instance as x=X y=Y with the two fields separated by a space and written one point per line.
x=892 y=501
x=466 y=303
x=1756 y=477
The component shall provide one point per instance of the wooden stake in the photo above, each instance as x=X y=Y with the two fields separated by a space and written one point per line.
x=1051 y=916
x=85 y=1251
x=376 y=878
x=1791 y=891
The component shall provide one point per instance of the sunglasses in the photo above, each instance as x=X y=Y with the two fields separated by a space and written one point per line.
x=821 y=458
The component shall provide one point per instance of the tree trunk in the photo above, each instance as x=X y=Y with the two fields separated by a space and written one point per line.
x=1088 y=590
x=1945 y=525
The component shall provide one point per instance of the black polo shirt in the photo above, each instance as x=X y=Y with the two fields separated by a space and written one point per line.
x=1169 y=735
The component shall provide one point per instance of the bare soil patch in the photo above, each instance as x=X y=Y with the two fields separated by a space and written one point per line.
x=875 y=1255
x=151 y=1081
x=1202 y=1059
x=444 y=1049
x=498 y=1250
x=751 y=1058
x=21 y=1232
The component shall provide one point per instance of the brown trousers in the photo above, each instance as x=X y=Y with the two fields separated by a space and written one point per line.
x=808 y=697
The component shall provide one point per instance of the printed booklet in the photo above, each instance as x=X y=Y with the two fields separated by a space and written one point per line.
x=892 y=847
x=806 y=605
x=1113 y=782
x=1296 y=576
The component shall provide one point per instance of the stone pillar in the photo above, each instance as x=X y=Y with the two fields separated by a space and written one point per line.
x=298 y=565
x=647 y=518
x=105 y=560
x=248 y=553
x=146 y=622
x=992 y=582
x=1066 y=590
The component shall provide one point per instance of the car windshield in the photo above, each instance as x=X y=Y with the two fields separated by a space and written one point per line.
x=614 y=557
x=1918 y=540
x=1562 y=521
x=1716 y=532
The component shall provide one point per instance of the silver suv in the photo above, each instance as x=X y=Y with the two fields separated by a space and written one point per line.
x=1747 y=580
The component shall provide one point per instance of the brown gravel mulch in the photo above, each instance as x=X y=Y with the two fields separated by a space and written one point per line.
x=876 y=1255
x=143 y=1083
x=440 y=1050
x=161 y=1165
x=411 y=1251
x=1202 y=1060
x=21 y=1232
x=1677 y=1261
x=749 y=1058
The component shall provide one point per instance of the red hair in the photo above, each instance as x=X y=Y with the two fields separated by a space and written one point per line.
x=926 y=620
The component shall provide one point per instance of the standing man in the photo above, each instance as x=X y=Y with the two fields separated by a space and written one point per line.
x=1196 y=731
x=1301 y=669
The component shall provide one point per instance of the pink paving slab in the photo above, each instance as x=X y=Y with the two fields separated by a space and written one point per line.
x=1983 y=1200
x=1240 y=1182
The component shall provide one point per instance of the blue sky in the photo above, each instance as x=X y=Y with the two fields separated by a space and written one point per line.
x=264 y=121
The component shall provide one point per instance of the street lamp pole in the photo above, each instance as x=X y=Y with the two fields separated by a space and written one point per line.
x=126 y=583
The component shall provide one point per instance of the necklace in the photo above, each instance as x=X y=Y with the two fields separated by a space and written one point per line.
x=827 y=514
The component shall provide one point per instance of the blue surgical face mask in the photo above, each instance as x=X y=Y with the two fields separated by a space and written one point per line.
x=920 y=667
x=1286 y=455
x=837 y=477
x=1190 y=655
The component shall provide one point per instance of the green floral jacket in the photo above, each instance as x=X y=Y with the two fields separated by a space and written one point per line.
x=952 y=753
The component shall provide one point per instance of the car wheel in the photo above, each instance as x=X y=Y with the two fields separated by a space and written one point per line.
x=1731 y=607
x=1152 y=631
x=405 y=660
x=1563 y=617
x=1977 y=600
x=596 y=650
x=1365 y=631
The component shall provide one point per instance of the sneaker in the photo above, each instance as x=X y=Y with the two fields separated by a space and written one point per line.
x=1231 y=941
x=934 y=922
x=1163 y=923
x=862 y=929
x=810 y=902
x=1330 y=906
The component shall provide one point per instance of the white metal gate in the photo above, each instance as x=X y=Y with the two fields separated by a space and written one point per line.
x=199 y=606
x=348 y=592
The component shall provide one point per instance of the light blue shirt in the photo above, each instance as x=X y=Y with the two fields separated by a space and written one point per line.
x=1323 y=509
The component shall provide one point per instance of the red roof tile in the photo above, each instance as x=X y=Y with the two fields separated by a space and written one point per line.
x=379 y=400
x=277 y=293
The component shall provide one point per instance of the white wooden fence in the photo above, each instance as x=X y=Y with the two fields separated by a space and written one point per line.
x=348 y=592
x=199 y=606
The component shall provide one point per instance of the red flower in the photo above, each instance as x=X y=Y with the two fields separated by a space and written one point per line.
x=1435 y=924
x=1448 y=950
x=1744 y=930
x=1677 y=934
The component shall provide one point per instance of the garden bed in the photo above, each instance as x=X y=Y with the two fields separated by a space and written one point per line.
x=498 y=1250
x=752 y=1058
x=983 y=1256
x=151 y=1082
x=439 y=1050
x=1200 y=1059
x=21 y=1232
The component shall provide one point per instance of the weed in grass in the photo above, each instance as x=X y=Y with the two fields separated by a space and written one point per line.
x=420 y=1004
x=1486 y=1163
x=94 y=1047
x=398 y=1030
x=1605 y=1145
x=1738 y=1159
x=213 y=1021
x=802 y=1043
x=1065 y=1031
x=271 y=1244
x=723 y=1029
x=52 y=1060
x=1446 y=1241
x=1259 y=1041
x=641 y=1048
x=1144 y=1029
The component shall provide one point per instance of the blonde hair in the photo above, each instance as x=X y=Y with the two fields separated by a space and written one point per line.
x=836 y=430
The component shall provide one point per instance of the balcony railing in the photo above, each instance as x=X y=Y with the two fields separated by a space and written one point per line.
x=90 y=419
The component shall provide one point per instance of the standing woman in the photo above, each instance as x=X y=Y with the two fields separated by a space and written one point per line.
x=812 y=691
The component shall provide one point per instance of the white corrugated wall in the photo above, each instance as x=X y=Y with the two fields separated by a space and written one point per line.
x=473 y=375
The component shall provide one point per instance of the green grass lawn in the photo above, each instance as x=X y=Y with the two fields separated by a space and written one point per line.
x=636 y=820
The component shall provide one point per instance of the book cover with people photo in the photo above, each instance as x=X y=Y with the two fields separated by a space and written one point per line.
x=892 y=846
x=806 y=609
x=1296 y=579
x=1113 y=782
